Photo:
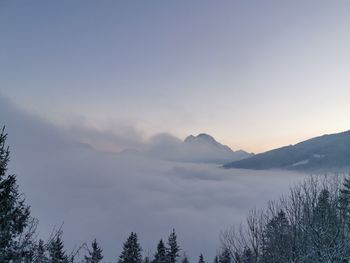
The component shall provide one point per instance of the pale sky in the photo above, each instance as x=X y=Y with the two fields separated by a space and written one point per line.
x=254 y=74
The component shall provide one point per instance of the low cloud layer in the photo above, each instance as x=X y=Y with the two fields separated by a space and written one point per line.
x=106 y=195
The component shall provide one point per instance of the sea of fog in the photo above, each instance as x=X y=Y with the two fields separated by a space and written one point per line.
x=106 y=196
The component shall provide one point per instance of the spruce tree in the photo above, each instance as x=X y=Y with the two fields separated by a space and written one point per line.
x=56 y=250
x=325 y=229
x=216 y=259
x=131 y=250
x=161 y=254
x=201 y=259
x=173 y=248
x=277 y=239
x=40 y=253
x=95 y=254
x=14 y=214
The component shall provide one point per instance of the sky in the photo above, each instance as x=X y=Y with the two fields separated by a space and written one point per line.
x=82 y=80
x=254 y=74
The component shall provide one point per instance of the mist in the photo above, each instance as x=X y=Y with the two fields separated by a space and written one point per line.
x=106 y=195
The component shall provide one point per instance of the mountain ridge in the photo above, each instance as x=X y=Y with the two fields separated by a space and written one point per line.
x=202 y=148
x=325 y=152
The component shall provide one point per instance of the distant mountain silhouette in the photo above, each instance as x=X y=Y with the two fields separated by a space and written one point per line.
x=204 y=148
x=327 y=152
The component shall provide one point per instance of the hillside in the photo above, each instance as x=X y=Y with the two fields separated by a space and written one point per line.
x=327 y=152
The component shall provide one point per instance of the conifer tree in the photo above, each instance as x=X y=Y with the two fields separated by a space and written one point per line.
x=131 y=250
x=161 y=254
x=173 y=248
x=95 y=254
x=14 y=214
x=344 y=200
x=56 y=250
x=277 y=239
x=40 y=253
x=225 y=256
x=201 y=259
x=216 y=259
x=184 y=259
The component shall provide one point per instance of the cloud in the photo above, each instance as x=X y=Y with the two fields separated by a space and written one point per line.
x=106 y=195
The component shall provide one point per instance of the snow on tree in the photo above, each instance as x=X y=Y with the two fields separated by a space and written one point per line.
x=173 y=248
x=311 y=225
x=40 y=253
x=225 y=256
x=277 y=239
x=131 y=250
x=94 y=254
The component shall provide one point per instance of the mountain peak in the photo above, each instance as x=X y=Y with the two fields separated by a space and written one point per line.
x=206 y=137
x=205 y=148
x=202 y=137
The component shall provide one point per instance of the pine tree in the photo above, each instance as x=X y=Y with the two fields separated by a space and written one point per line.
x=131 y=250
x=225 y=256
x=173 y=248
x=95 y=254
x=216 y=259
x=161 y=254
x=56 y=250
x=201 y=259
x=14 y=214
x=40 y=253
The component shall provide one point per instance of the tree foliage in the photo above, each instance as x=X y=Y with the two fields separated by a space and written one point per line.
x=173 y=248
x=201 y=259
x=15 y=222
x=56 y=250
x=161 y=254
x=308 y=226
x=94 y=254
x=131 y=250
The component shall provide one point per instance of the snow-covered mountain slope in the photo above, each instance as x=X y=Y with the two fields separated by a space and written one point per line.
x=327 y=152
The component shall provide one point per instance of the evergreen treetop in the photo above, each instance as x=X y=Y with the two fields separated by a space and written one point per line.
x=56 y=250
x=173 y=247
x=201 y=259
x=161 y=254
x=95 y=254
x=131 y=250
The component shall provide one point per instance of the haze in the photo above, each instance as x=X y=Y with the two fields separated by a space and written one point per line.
x=256 y=75
x=106 y=196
